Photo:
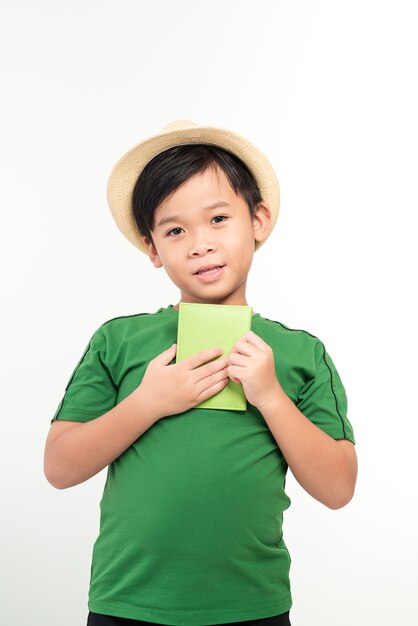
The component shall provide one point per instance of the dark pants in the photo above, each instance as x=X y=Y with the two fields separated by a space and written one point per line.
x=94 y=619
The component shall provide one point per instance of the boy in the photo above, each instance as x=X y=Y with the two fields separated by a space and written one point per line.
x=191 y=514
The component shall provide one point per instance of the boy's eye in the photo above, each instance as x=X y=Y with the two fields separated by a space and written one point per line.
x=172 y=230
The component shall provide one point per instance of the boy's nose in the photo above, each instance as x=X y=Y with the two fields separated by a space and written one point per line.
x=200 y=249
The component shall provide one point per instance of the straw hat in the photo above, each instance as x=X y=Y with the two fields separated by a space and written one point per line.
x=126 y=171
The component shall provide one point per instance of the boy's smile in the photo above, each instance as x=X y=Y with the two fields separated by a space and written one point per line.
x=204 y=238
x=209 y=274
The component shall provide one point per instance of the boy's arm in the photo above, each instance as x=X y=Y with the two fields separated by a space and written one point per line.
x=76 y=451
x=325 y=467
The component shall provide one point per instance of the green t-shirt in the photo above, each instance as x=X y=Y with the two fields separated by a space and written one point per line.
x=191 y=513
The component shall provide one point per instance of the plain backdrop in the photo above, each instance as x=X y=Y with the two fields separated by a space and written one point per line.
x=328 y=91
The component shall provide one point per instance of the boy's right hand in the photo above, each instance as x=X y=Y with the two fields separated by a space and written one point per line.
x=175 y=388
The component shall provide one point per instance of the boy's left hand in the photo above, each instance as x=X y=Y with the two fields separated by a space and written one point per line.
x=251 y=363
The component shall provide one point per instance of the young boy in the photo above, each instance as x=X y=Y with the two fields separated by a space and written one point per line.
x=192 y=510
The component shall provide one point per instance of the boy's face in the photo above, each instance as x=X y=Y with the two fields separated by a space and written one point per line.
x=194 y=237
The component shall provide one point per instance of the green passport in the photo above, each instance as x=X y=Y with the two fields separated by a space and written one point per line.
x=203 y=326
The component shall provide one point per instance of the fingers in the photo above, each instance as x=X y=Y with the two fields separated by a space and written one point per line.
x=165 y=357
x=238 y=359
x=243 y=346
x=195 y=360
x=237 y=364
x=212 y=384
x=210 y=378
x=210 y=369
x=251 y=338
x=236 y=372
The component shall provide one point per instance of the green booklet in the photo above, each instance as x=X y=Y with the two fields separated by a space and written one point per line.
x=203 y=326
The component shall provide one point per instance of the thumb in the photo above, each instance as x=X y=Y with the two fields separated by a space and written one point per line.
x=165 y=357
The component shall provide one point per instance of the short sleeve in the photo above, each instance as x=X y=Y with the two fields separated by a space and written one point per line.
x=90 y=391
x=322 y=398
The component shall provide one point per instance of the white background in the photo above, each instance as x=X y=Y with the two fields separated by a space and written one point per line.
x=328 y=91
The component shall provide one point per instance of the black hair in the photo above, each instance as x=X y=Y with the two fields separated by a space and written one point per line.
x=168 y=170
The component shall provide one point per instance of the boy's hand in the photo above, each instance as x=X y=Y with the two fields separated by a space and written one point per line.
x=251 y=363
x=176 y=388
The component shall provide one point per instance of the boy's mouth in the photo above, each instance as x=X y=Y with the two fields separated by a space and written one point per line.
x=208 y=269
x=211 y=274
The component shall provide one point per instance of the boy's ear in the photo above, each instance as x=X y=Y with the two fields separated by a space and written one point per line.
x=261 y=221
x=152 y=252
